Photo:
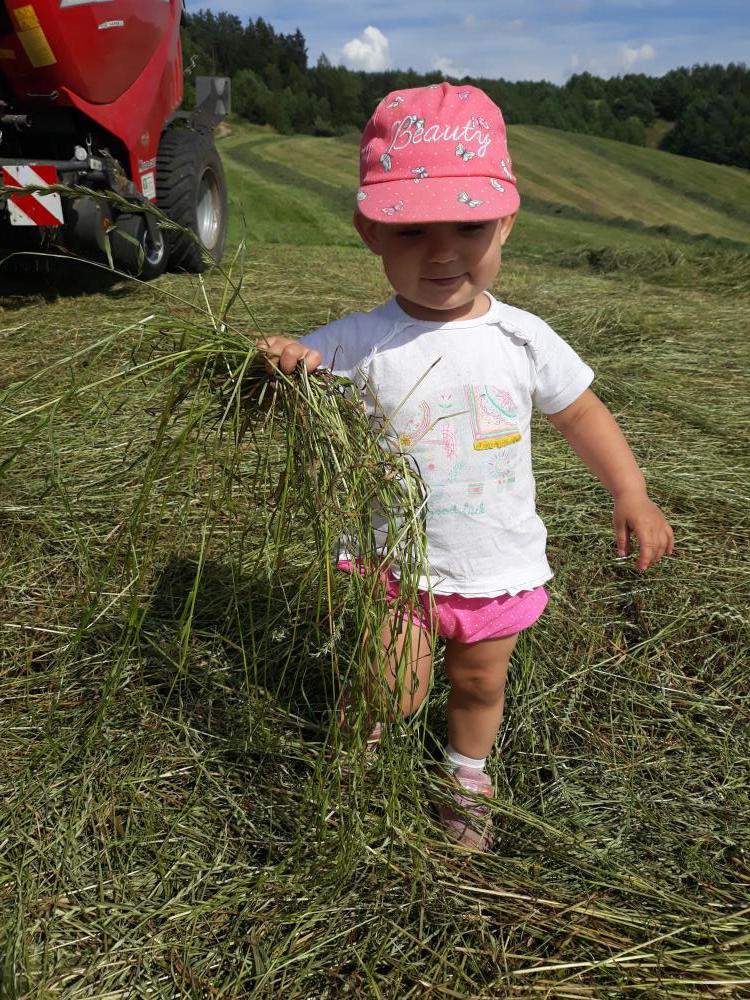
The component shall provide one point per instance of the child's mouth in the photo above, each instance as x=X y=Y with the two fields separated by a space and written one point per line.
x=446 y=281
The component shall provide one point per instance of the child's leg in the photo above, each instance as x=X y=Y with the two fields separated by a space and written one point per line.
x=477 y=673
x=417 y=669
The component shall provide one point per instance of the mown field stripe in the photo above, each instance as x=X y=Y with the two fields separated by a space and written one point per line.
x=617 y=191
x=266 y=207
x=689 y=180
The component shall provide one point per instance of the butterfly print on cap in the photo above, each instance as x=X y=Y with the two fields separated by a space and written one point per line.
x=467 y=200
x=392 y=209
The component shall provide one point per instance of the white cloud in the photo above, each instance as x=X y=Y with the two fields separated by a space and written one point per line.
x=368 y=52
x=606 y=61
x=448 y=68
x=629 y=55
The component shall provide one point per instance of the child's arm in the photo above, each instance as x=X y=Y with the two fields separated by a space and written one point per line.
x=595 y=436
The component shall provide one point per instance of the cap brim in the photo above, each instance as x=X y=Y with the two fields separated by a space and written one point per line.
x=438 y=199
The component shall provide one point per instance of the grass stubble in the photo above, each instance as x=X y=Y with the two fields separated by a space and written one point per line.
x=183 y=816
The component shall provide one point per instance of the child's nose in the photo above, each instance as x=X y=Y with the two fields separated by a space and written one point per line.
x=442 y=250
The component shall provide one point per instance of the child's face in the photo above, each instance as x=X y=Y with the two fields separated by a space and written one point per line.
x=439 y=269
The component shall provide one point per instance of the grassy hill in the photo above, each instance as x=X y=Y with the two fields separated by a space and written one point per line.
x=299 y=189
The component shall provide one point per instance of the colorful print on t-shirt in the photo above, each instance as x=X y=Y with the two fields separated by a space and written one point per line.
x=462 y=440
x=493 y=417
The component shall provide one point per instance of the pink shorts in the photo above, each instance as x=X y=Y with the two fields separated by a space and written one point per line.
x=467 y=619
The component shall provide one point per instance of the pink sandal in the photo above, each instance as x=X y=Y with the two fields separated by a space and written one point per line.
x=372 y=746
x=475 y=830
x=373 y=743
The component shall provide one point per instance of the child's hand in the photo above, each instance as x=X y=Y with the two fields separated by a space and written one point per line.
x=635 y=512
x=284 y=353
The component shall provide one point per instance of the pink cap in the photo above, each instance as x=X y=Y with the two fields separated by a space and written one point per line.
x=436 y=154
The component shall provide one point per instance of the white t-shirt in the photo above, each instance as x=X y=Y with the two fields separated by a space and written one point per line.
x=484 y=536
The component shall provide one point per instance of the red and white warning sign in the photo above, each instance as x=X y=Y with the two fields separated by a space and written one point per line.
x=33 y=208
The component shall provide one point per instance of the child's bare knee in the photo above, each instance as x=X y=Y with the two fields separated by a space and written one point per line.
x=484 y=688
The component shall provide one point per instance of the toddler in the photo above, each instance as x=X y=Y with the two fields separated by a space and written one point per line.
x=437 y=202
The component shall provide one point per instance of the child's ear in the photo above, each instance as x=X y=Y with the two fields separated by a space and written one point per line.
x=506 y=225
x=368 y=230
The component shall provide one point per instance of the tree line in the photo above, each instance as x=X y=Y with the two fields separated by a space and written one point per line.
x=707 y=106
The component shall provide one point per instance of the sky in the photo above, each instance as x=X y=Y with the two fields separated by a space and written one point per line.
x=515 y=39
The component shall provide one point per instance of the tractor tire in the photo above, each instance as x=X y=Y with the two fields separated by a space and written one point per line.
x=132 y=251
x=191 y=191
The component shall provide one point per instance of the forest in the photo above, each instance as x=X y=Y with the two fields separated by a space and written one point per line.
x=701 y=111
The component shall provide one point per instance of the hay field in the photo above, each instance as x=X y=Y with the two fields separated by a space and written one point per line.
x=591 y=180
x=176 y=819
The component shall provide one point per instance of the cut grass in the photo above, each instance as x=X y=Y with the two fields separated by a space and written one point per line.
x=180 y=816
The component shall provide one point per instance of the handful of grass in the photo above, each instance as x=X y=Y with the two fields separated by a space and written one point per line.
x=338 y=473
x=270 y=472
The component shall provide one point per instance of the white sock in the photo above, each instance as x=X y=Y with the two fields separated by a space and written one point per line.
x=454 y=759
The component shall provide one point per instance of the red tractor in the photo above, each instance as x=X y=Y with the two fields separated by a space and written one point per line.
x=89 y=95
